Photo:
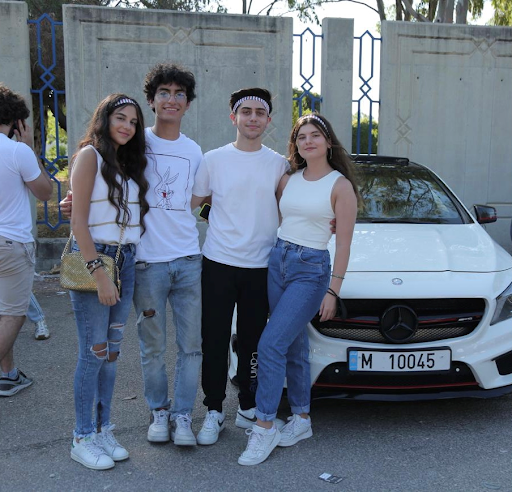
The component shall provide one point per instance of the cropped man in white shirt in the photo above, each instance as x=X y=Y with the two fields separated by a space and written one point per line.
x=242 y=179
x=20 y=175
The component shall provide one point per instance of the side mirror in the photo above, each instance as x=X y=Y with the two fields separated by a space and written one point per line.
x=485 y=214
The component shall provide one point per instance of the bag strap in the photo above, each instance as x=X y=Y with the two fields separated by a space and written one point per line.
x=123 y=228
x=118 y=252
x=66 y=248
x=124 y=223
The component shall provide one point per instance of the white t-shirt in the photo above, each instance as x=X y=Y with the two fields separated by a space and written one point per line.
x=244 y=217
x=18 y=165
x=102 y=214
x=171 y=230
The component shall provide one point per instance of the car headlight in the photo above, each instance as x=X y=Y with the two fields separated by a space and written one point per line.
x=503 y=306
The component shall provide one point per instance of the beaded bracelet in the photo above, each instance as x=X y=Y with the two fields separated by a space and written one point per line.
x=337 y=276
x=93 y=264
x=91 y=271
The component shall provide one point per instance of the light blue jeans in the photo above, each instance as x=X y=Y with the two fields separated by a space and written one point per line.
x=178 y=281
x=98 y=324
x=298 y=278
x=35 y=312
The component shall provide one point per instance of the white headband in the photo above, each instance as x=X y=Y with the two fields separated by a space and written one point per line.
x=251 y=98
x=316 y=118
x=125 y=100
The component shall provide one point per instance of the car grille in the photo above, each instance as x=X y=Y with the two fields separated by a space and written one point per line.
x=437 y=319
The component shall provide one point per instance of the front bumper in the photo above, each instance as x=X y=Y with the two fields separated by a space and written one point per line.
x=481 y=367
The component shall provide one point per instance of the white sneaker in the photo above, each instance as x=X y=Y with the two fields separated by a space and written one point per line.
x=181 y=431
x=159 y=430
x=212 y=425
x=261 y=443
x=89 y=454
x=41 y=332
x=106 y=440
x=245 y=419
x=295 y=430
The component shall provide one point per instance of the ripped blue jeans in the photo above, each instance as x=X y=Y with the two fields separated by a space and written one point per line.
x=100 y=332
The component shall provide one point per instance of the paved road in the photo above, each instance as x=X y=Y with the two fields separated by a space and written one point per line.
x=459 y=445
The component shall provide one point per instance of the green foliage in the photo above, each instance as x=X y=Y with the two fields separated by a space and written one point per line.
x=476 y=7
x=502 y=12
x=51 y=143
x=365 y=134
x=306 y=104
x=182 y=5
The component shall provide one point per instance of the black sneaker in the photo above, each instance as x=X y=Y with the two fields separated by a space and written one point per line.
x=9 y=387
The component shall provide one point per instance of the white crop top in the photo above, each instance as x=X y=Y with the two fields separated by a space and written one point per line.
x=307 y=211
x=102 y=214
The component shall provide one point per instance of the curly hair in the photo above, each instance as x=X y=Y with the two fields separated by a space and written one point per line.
x=339 y=159
x=130 y=156
x=169 y=73
x=12 y=106
x=254 y=91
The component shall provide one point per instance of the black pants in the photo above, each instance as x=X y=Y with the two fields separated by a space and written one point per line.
x=222 y=287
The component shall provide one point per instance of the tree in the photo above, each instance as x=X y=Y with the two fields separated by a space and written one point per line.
x=307 y=101
x=445 y=11
x=363 y=131
x=502 y=12
x=182 y=5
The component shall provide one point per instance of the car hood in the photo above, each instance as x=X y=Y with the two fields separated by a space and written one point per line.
x=425 y=248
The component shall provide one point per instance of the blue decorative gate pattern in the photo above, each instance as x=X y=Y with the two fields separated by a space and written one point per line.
x=46 y=79
x=365 y=88
x=307 y=73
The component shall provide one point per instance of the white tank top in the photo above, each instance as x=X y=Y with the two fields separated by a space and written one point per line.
x=307 y=211
x=102 y=214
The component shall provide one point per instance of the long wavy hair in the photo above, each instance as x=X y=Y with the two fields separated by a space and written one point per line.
x=338 y=158
x=129 y=161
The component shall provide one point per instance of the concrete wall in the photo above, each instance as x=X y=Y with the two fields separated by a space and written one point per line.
x=15 y=61
x=14 y=49
x=446 y=102
x=337 y=73
x=110 y=50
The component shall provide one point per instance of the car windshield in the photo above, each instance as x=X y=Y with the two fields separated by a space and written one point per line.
x=410 y=193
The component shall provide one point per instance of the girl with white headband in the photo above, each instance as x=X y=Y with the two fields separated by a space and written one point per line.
x=109 y=205
x=319 y=187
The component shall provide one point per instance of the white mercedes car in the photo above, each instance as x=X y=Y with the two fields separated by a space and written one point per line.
x=427 y=296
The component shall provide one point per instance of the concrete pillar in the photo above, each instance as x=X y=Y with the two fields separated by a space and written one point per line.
x=337 y=73
x=15 y=60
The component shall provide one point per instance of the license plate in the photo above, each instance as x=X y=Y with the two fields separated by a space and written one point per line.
x=417 y=361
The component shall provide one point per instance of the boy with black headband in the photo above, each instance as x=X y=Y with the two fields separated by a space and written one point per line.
x=242 y=179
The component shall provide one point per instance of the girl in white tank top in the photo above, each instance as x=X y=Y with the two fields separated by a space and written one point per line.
x=109 y=191
x=319 y=188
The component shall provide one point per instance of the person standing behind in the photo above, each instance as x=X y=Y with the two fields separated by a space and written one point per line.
x=242 y=179
x=20 y=174
x=321 y=186
x=109 y=205
x=36 y=315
